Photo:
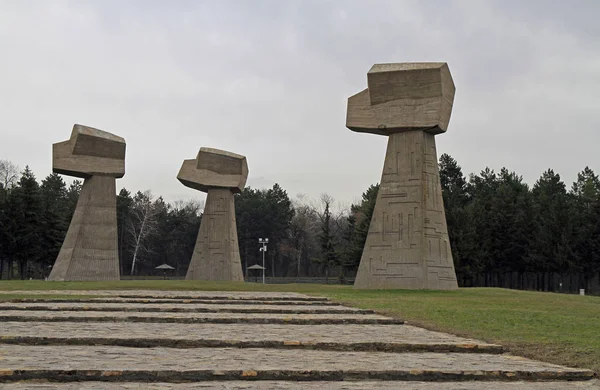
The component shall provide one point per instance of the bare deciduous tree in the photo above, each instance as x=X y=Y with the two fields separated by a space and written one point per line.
x=9 y=174
x=142 y=224
x=303 y=231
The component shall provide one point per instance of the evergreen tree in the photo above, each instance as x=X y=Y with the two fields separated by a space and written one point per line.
x=124 y=204
x=73 y=195
x=454 y=192
x=279 y=214
x=347 y=255
x=263 y=214
x=511 y=223
x=54 y=221
x=586 y=215
x=329 y=256
x=179 y=229
x=551 y=246
x=359 y=221
x=587 y=188
x=27 y=204
x=481 y=190
x=249 y=208
x=6 y=236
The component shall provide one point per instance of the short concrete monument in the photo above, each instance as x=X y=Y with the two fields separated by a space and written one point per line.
x=90 y=249
x=220 y=174
x=407 y=246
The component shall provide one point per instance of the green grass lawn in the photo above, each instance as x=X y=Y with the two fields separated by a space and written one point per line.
x=558 y=328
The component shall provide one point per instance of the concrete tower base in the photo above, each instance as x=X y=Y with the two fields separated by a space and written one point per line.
x=407 y=246
x=216 y=254
x=90 y=251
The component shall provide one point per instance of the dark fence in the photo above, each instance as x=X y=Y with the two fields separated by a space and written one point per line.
x=308 y=279
x=569 y=283
x=544 y=281
x=258 y=279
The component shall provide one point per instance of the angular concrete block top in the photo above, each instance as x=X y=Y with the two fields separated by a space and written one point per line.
x=214 y=168
x=89 y=152
x=403 y=97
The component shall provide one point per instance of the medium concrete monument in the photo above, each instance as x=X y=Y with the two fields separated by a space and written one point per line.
x=407 y=246
x=220 y=174
x=90 y=248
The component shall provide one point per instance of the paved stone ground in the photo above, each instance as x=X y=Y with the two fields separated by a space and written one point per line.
x=301 y=333
x=331 y=337
x=149 y=294
x=283 y=385
x=183 y=307
x=114 y=347
x=180 y=301
x=95 y=316
x=96 y=362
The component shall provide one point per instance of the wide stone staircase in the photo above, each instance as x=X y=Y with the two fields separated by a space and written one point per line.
x=227 y=340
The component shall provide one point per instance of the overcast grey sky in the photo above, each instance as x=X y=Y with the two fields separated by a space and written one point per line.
x=270 y=79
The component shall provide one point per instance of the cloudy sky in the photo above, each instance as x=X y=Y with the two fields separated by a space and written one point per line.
x=270 y=79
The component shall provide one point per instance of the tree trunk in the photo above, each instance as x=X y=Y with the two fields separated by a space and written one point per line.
x=246 y=239
x=137 y=243
x=22 y=266
x=272 y=265
x=133 y=262
x=121 y=244
x=300 y=248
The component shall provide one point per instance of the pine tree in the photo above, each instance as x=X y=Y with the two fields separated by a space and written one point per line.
x=359 y=221
x=511 y=223
x=279 y=212
x=551 y=246
x=54 y=221
x=454 y=192
x=124 y=204
x=27 y=204
x=263 y=214
x=481 y=190
x=178 y=229
x=586 y=215
x=73 y=195
x=6 y=237
x=329 y=256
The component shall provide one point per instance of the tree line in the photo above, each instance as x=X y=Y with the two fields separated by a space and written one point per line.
x=496 y=222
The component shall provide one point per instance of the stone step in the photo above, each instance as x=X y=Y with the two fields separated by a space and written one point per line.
x=153 y=294
x=256 y=296
x=183 y=308
x=177 y=301
x=318 y=385
x=322 y=337
x=197 y=318
x=120 y=364
x=215 y=343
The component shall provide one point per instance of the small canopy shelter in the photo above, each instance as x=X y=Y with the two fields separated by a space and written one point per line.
x=256 y=267
x=165 y=268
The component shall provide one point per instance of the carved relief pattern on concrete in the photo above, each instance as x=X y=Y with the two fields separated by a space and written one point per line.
x=216 y=254
x=407 y=245
x=90 y=249
x=220 y=174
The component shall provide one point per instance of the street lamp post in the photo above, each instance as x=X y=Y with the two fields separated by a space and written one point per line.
x=263 y=249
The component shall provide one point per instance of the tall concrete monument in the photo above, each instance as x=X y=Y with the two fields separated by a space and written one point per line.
x=89 y=251
x=220 y=174
x=407 y=246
